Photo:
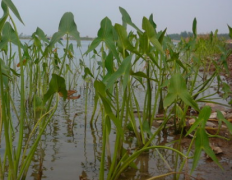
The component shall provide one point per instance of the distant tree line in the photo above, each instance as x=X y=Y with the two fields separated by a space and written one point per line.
x=186 y=34
x=174 y=36
x=24 y=36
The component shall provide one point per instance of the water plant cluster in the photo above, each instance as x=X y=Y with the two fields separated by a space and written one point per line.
x=173 y=76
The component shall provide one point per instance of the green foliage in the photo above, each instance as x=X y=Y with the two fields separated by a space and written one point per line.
x=124 y=70
x=123 y=39
x=12 y=7
x=105 y=34
x=201 y=138
x=177 y=88
x=5 y=71
x=152 y=22
x=226 y=89
x=220 y=117
x=230 y=31
x=8 y=35
x=127 y=19
x=150 y=32
x=41 y=35
x=195 y=28
x=56 y=85
x=87 y=72
x=67 y=26
x=100 y=89
x=5 y=15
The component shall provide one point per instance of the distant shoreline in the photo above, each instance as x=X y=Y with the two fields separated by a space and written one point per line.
x=81 y=38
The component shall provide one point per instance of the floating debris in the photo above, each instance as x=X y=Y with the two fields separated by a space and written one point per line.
x=70 y=94
x=214 y=115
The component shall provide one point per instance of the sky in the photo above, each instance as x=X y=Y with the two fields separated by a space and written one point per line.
x=175 y=15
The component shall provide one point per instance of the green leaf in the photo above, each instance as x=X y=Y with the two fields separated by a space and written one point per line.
x=125 y=156
x=194 y=27
x=10 y=4
x=127 y=19
x=4 y=17
x=197 y=153
x=226 y=89
x=230 y=31
x=5 y=72
x=161 y=37
x=100 y=89
x=68 y=69
x=39 y=32
x=202 y=119
x=201 y=138
x=93 y=45
x=148 y=28
x=8 y=35
x=14 y=72
x=146 y=127
x=181 y=64
x=111 y=45
x=108 y=126
x=179 y=111
x=222 y=118
x=124 y=69
x=106 y=28
x=143 y=43
x=150 y=31
x=38 y=103
x=139 y=74
x=87 y=72
x=202 y=143
x=56 y=85
x=187 y=98
x=67 y=26
x=109 y=64
x=122 y=34
x=154 y=59
x=105 y=34
x=177 y=87
x=169 y=99
x=152 y=21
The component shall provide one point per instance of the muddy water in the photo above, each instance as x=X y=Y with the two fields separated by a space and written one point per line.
x=71 y=148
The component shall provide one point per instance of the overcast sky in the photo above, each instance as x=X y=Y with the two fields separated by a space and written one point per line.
x=175 y=15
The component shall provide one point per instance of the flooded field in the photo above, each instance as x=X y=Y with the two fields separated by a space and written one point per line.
x=71 y=146
x=127 y=105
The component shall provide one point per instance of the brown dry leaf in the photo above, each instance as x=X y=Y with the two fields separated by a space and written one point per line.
x=69 y=93
x=159 y=115
x=230 y=120
x=55 y=50
x=74 y=97
x=82 y=178
x=214 y=115
x=216 y=149
x=191 y=121
x=167 y=52
x=216 y=107
x=60 y=94
x=24 y=62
